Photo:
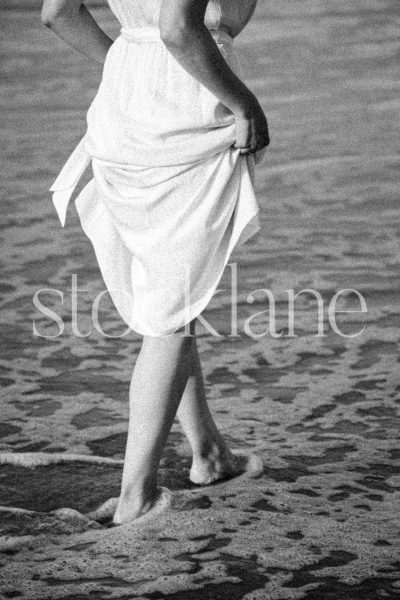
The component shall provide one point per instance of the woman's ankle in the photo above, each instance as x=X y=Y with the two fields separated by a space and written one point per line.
x=137 y=493
x=135 y=501
x=210 y=450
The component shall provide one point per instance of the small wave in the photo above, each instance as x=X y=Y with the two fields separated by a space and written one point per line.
x=70 y=480
x=35 y=459
x=20 y=526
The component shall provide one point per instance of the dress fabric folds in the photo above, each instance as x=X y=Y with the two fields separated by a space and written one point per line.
x=170 y=196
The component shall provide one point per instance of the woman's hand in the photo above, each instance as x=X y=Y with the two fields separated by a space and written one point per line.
x=185 y=35
x=251 y=127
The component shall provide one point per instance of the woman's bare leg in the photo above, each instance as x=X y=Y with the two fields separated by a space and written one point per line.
x=212 y=459
x=168 y=374
x=158 y=381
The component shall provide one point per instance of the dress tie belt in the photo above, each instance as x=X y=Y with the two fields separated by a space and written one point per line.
x=152 y=34
x=68 y=178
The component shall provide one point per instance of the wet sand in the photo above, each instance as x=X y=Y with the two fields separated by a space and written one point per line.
x=323 y=412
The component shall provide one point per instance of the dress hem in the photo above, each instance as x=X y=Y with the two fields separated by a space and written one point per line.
x=249 y=230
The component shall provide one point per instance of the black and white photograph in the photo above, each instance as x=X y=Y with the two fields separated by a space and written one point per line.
x=200 y=300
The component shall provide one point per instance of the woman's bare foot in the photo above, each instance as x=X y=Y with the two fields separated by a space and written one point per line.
x=219 y=463
x=132 y=508
x=143 y=512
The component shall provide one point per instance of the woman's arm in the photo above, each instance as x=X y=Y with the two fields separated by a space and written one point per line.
x=73 y=23
x=185 y=35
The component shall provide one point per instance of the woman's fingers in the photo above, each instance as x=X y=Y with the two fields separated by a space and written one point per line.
x=243 y=135
x=245 y=138
x=252 y=148
x=250 y=138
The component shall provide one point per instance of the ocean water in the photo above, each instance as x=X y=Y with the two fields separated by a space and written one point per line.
x=322 y=411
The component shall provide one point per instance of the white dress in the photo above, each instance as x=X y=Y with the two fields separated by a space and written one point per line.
x=170 y=197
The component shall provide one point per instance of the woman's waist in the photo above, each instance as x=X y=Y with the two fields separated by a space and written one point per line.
x=152 y=34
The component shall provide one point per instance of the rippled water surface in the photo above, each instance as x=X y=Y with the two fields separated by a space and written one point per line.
x=322 y=411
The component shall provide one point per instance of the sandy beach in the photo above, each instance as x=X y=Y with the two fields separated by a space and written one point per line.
x=322 y=411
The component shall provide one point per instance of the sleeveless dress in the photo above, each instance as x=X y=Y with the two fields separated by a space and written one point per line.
x=170 y=196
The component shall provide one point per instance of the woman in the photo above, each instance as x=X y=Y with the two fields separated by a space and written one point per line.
x=172 y=135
